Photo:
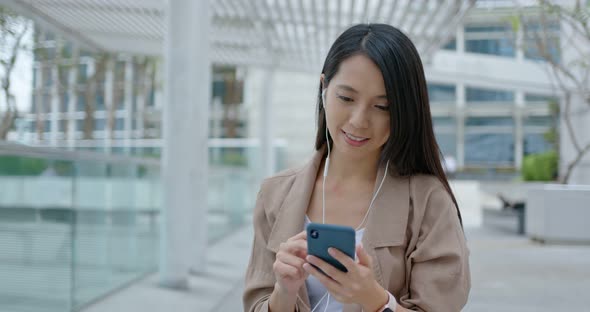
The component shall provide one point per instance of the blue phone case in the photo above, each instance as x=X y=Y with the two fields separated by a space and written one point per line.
x=329 y=235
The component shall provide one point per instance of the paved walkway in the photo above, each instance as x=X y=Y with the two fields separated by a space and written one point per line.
x=226 y=262
x=509 y=273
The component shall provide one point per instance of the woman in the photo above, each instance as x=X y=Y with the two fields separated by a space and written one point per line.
x=375 y=138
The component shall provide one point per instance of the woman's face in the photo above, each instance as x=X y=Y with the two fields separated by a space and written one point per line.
x=357 y=108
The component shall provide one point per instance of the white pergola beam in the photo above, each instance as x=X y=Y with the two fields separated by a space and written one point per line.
x=137 y=27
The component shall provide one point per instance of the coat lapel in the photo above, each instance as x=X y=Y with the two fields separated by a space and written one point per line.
x=386 y=223
x=291 y=216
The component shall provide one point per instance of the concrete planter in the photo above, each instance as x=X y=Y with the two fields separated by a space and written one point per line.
x=558 y=214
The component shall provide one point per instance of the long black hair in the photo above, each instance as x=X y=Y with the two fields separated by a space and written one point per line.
x=411 y=148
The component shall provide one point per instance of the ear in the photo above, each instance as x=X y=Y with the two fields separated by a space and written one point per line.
x=322 y=79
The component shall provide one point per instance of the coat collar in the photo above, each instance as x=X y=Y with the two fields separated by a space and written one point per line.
x=385 y=225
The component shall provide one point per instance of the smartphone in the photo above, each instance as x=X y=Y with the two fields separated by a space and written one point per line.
x=320 y=237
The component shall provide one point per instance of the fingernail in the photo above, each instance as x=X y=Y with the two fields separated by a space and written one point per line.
x=331 y=251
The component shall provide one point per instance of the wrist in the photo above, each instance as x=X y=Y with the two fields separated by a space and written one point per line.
x=283 y=292
x=378 y=300
x=281 y=299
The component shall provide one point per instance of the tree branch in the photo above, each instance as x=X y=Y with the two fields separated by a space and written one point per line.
x=574 y=163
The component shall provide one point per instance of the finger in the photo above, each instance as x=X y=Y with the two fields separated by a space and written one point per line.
x=327 y=268
x=330 y=284
x=343 y=258
x=291 y=260
x=299 y=236
x=363 y=256
x=297 y=248
x=287 y=271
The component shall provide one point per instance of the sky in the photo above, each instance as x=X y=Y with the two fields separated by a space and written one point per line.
x=22 y=76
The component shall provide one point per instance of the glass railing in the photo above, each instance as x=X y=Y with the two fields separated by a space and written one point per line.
x=234 y=180
x=76 y=226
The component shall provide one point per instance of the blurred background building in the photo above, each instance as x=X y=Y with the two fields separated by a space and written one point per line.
x=486 y=121
x=148 y=127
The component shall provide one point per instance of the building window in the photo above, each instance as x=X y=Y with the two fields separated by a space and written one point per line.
x=504 y=122
x=99 y=124
x=539 y=121
x=489 y=149
x=62 y=125
x=64 y=97
x=547 y=36
x=82 y=73
x=80 y=125
x=81 y=101
x=490 y=39
x=446 y=136
x=444 y=123
x=539 y=100
x=535 y=143
x=442 y=93
x=50 y=53
x=489 y=141
x=46 y=104
x=535 y=129
x=447 y=142
x=479 y=95
x=451 y=45
x=119 y=124
x=99 y=104
x=47 y=77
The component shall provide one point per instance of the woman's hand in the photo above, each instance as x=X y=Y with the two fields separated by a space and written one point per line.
x=288 y=265
x=358 y=285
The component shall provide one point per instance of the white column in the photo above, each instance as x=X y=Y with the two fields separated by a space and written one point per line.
x=461 y=111
x=460 y=38
x=128 y=121
x=518 y=129
x=267 y=151
x=109 y=79
x=142 y=98
x=90 y=71
x=54 y=121
x=519 y=42
x=72 y=99
x=187 y=88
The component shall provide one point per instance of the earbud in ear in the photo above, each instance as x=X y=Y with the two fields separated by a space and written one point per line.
x=324 y=98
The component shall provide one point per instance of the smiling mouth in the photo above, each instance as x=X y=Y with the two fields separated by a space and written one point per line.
x=354 y=138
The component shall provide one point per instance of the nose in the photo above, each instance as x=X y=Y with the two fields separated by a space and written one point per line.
x=360 y=118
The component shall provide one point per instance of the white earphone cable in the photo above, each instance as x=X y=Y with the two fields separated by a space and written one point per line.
x=325 y=175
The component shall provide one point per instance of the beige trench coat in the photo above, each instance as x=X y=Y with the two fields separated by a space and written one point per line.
x=412 y=233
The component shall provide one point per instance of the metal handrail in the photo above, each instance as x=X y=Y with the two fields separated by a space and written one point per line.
x=15 y=149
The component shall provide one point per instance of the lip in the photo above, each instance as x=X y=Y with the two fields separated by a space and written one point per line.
x=351 y=142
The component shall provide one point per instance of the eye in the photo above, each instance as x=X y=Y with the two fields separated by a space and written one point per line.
x=345 y=99
x=383 y=108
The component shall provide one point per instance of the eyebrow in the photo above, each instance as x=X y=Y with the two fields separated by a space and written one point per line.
x=351 y=89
